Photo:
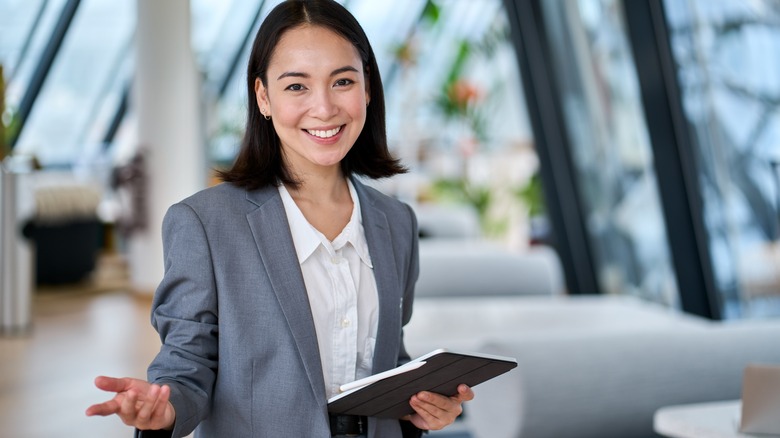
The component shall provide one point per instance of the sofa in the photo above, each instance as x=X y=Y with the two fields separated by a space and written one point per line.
x=477 y=267
x=456 y=260
x=447 y=221
x=610 y=384
x=589 y=366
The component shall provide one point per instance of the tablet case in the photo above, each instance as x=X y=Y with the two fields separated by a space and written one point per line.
x=442 y=372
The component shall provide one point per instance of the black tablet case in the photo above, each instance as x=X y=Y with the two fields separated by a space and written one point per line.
x=442 y=373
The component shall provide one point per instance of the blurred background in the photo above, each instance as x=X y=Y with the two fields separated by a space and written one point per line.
x=541 y=117
x=635 y=144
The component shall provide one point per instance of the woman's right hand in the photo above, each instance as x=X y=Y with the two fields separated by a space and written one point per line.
x=138 y=403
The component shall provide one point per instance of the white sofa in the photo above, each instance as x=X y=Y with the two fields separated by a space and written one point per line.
x=475 y=267
x=456 y=260
x=588 y=366
x=610 y=384
x=447 y=221
x=471 y=323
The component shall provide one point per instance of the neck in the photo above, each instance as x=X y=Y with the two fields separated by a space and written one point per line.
x=321 y=189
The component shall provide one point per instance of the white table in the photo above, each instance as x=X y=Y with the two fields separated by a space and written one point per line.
x=700 y=420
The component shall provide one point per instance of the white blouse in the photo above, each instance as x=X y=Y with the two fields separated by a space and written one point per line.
x=339 y=280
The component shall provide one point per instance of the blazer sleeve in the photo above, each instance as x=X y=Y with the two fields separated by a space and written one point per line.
x=184 y=313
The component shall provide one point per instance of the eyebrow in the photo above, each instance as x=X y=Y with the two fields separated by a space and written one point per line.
x=296 y=74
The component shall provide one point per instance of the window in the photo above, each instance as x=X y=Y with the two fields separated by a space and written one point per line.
x=610 y=148
x=728 y=61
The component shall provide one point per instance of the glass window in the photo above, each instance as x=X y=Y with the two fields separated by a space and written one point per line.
x=94 y=68
x=456 y=115
x=218 y=29
x=82 y=80
x=610 y=148
x=25 y=28
x=17 y=18
x=728 y=60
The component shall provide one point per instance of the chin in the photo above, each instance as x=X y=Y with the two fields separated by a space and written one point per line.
x=330 y=160
x=329 y=163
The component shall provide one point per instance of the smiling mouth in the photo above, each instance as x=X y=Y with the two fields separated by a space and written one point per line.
x=324 y=134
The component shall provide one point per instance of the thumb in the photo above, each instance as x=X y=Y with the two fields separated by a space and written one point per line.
x=465 y=393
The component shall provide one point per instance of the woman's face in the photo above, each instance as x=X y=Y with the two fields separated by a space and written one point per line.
x=316 y=95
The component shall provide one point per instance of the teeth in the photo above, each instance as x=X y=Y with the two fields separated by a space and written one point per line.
x=324 y=134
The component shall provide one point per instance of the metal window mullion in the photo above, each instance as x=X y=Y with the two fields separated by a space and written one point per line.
x=557 y=171
x=673 y=150
x=119 y=115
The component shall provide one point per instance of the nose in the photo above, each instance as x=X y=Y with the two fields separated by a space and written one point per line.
x=323 y=105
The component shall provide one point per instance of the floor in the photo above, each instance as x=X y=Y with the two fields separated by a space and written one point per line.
x=46 y=376
x=78 y=333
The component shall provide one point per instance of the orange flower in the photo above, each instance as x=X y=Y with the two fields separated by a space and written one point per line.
x=462 y=93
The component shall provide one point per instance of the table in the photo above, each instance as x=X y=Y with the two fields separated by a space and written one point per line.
x=700 y=420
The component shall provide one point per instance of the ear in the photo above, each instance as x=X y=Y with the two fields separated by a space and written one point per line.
x=261 y=95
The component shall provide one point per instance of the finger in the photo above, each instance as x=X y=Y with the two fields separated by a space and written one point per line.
x=162 y=402
x=103 y=409
x=112 y=384
x=419 y=422
x=437 y=404
x=128 y=408
x=165 y=414
x=428 y=412
x=149 y=403
x=437 y=410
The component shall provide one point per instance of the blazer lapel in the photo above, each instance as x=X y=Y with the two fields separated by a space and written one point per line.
x=274 y=242
x=387 y=283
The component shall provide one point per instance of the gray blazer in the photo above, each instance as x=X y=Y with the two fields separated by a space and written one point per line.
x=239 y=348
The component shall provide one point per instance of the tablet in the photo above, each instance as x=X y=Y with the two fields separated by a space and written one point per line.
x=387 y=395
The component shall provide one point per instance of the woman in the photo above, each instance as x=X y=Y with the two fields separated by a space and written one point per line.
x=291 y=278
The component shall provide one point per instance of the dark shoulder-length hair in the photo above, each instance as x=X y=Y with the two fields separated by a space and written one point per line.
x=260 y=162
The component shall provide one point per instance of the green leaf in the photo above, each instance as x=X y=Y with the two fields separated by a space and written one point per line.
x=531 y=195
x=431 y=12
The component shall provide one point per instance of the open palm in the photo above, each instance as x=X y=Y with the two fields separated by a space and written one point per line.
x=138 y=403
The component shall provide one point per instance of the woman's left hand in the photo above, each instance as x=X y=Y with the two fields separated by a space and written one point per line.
x=435 y=411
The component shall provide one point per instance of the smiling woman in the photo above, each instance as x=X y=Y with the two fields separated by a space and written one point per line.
x=316 y=97
x=259 y=161
x=274 y=281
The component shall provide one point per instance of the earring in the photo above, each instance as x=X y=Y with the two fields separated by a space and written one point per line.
x=262 y=111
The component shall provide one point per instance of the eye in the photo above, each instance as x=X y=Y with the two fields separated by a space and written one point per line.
x=344 y=82
x=295 y=87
